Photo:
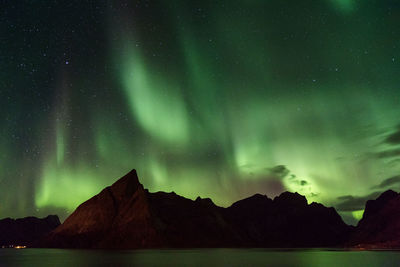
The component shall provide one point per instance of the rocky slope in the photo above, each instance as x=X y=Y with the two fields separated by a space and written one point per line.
x=125 y=215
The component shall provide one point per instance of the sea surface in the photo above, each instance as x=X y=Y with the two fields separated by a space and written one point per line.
x=198 y=257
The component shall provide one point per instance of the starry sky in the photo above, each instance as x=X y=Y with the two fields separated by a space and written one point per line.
x=221 y=99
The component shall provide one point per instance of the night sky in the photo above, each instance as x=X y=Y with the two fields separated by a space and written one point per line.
x=221 y=99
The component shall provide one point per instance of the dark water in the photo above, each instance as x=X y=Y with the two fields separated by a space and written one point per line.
x=197 y=257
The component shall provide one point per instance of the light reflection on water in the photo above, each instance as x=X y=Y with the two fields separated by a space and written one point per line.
x=197 y=257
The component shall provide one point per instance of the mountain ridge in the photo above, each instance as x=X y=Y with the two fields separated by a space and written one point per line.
x=24 y=231
x=125 y=215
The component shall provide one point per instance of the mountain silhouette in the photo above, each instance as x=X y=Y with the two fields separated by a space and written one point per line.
x=26 y=230
x=380 y=224
x=125 y=215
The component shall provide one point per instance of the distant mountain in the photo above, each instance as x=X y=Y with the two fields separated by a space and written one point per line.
x=26 y=230
x=125 y=215
x=380 y=224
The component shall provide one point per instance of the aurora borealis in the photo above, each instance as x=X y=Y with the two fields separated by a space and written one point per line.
x=221 y=99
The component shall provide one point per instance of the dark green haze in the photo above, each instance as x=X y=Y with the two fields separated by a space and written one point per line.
x=221 y=99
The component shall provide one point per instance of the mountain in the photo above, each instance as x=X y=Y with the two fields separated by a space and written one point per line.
x=287 y=221
x=26 y=230
x=380 y=224
x=125 y=215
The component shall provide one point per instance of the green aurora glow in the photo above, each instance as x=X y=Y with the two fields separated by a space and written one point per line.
x=218 y=99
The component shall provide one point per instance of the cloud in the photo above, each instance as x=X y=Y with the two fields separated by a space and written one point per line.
x=353 y=203
x=303 y=183
x=388 y=182
x=279 y=171
x=270 y=182
x=388 y=153
x=298 y=182
x=394 y=138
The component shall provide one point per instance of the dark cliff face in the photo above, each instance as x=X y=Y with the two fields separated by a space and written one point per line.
x=26 y=230
x=125 y=215
x=380 y=225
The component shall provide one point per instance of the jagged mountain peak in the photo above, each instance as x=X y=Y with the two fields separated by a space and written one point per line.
x=127 y=185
